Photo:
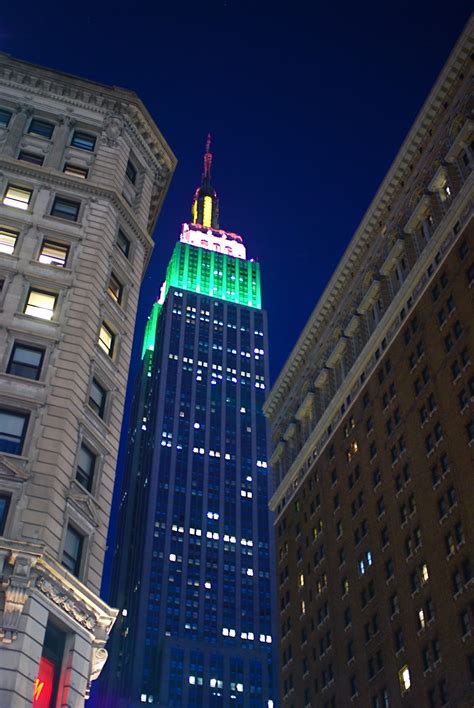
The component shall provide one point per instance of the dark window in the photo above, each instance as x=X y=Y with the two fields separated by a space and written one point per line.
x=26 y=361
x=85 y=467
x=97 y=398
x=65 y=209
x=131 y=172
x=123 y=243
x=4 y=506
x=41 y=128
x=32 y=157
x=75 y=171
x=72 y=551
x=12 y=431
x=83 y=141
x=5 y=117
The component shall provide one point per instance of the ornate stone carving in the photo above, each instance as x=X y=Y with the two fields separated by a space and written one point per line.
x=15 y=582
x=113 y=129
x=68 y=603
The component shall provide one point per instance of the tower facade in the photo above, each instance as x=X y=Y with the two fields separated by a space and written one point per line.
x=83 y=173
x=192 y=567
x=373 y=439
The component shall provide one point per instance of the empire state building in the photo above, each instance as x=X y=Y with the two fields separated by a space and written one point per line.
x=193 y=564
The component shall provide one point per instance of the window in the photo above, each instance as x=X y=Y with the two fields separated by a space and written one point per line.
x=53 y=253
x=85 y=467
x=131 y=172
x=12 y=431
x=5 y=117
x=75 y=171
x=97 y=398
x=115 y=289
x=8 y=239
x=83 y=141
x=4 y=506
x=65 y=209
x=404 y=678
x=31 y=157
x=106 y=339
x=40 y=304
x=72 y=551
x=394 y=604
x=18 y=197
x=26 y=361
x=41 y=128
x=123 y=243
x=389 y=569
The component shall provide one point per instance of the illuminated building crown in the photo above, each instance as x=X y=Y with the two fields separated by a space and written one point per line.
x=205 y=208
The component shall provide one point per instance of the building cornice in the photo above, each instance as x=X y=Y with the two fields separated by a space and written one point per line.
x=413 y=289
x=370 y=227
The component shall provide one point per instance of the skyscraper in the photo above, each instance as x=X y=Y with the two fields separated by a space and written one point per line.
x=192 y=566
x=373 y=434
x=83 y=174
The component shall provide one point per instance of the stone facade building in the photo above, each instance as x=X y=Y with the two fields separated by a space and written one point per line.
x=373 y=439
x=83 y=174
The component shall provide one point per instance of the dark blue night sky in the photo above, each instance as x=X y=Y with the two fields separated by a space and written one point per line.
x=307 y=102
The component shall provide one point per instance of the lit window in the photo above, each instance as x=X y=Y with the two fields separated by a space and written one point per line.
x=301 y=580
x=97 y=398
x=12 y=431
x=65 y=209
x=123 y=243
x=53 y=253
x=131 y=172
x=404 y=678
x=85 y=467
x=421 y=619
x=424 y=573
x=25 y=361
x=5 y=117
x=83 y=141
x=17 y=197
x=8 y=239
x=106 y=340
x=72 y=551
x=41 y=128
x=75 y=171
x=115 y=289
x=31 y=157
x=40 y=304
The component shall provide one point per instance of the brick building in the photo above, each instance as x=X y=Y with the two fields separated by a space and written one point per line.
x=373 y=439
x=83 y=174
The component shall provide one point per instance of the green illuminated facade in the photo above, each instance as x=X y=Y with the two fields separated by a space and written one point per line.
x=207 y=272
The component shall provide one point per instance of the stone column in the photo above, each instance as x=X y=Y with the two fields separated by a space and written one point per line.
x=61 y=134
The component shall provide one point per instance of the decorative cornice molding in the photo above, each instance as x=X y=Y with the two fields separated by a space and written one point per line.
x=67 y=602
x=413 y=288
x=403 y=169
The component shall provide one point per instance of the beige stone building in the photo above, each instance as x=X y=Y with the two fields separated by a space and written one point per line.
x=373 y=439
x=83 y=174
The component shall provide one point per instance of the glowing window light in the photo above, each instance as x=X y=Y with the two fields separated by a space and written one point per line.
x=40 y=304
x=17 y=197
x=207 y=212
x=404 y=678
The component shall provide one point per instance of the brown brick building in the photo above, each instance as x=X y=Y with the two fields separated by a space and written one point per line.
x=373 y=440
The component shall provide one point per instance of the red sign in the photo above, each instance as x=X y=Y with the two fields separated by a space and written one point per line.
x=43 y=688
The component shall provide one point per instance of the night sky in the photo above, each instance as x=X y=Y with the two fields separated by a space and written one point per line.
x=308 y=103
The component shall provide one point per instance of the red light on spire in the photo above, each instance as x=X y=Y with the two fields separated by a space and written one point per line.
x=207 y=159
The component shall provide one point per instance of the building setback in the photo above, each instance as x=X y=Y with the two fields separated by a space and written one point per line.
x=193 y=567
x=373 y=440
x=83 y=174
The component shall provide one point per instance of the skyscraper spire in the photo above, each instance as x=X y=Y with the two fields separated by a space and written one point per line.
x=205 y=208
